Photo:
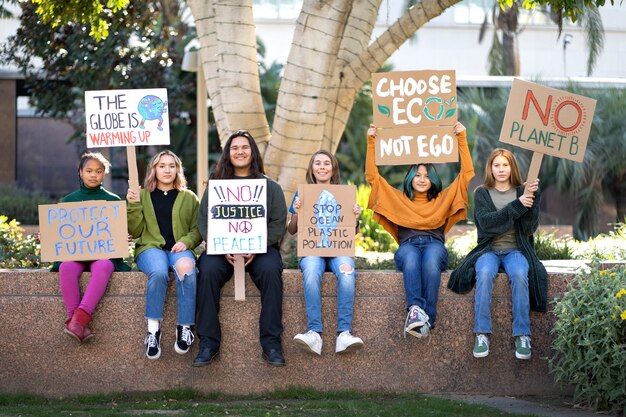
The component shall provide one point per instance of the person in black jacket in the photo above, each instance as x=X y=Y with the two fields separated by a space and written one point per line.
x=506 y=214
x=241 y=159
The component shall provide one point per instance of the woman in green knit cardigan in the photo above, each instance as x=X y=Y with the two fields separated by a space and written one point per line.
x=506 y=214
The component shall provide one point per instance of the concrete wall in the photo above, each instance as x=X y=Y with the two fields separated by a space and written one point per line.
x=37 y=357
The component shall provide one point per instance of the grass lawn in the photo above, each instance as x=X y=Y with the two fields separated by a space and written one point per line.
x=293 y=402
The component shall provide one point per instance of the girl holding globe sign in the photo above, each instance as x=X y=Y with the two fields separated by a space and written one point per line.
x=324 y=169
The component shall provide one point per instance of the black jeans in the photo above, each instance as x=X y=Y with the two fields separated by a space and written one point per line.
x=266 y=271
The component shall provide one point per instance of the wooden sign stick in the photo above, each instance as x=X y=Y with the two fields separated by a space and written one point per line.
x=133 y=177
x=240 y=275
x=533 y=169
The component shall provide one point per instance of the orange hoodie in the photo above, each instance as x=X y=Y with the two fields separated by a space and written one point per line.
x=392 y=207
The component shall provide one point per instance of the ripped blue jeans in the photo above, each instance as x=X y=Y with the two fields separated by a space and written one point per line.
x=156 y=264
x=313 y=268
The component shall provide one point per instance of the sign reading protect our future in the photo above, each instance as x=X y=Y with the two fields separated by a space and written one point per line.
x=415 y=111
x=547 y=120
x=127 y=117
x=326 y=223
x=237 y=217
x=83 y=231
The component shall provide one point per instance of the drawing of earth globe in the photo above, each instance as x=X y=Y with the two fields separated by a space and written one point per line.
x=151 y=107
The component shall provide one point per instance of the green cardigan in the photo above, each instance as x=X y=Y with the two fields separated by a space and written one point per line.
x=86 y=194
x=490 y=223
x=143 y=225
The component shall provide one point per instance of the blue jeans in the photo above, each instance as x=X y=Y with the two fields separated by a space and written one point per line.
x=156 y=264
x=421 y=260
x=313 y=268
x=516 y=267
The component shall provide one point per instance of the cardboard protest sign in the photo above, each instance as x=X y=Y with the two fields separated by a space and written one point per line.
x=237 y=216
x=326 y=223
x=547 y=120
x=127 y=117
x=416 y=111
x=83 y=231
x=414 y=98
x=414 y=146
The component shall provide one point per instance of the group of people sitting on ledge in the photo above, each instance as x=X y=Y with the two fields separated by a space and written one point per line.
x=167 y=222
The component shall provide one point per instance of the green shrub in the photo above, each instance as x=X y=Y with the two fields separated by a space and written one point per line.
x=547 y=247
x=607 y=246
x=590 y=342
x=372 y=237
x=21 y=205
x=17 y=251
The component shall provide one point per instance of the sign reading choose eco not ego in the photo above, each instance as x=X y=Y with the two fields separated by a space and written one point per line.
x=415 y=111
x=83 y=231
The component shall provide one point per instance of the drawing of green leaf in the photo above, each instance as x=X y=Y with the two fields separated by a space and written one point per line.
x=450 y=113
x=384 y=109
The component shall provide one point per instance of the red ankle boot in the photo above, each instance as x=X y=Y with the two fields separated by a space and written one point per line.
x=77 y=325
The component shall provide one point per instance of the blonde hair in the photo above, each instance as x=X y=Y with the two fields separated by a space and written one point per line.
x=515 y=179
x=150 y=182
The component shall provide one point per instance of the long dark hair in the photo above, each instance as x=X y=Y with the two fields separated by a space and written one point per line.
x=224 y=168
x=435 y=181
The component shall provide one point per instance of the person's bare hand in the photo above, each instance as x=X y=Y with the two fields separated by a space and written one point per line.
x=527 y=200
x=132 y=196
x=179 y=247
x=372 y=131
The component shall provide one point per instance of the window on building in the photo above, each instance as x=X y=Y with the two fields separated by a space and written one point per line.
x=277 y=9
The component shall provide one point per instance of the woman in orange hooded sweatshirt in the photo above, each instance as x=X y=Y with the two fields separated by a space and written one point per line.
x=418 y=218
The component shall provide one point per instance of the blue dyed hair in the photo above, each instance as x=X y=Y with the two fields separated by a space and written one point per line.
x=435 y=181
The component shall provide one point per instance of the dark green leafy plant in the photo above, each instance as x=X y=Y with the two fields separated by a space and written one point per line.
x=547 y=247
x=372 y=236
x=17 y=251
x=20 y=204
x=590 y=338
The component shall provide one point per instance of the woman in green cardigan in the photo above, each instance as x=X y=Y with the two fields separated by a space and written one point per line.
x=163 y=219
x=506 y=214
x=91 y=171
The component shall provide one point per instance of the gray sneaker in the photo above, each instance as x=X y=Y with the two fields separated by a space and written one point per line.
x=522 y=347
x=481 y=346
x=416 y=320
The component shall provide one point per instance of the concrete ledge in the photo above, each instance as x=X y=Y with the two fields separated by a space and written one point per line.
x=37 y=357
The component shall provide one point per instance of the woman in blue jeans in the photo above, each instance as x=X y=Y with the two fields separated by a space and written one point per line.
x=506 y=214
x=418 y=218
x=324 y=169
x=163 y=219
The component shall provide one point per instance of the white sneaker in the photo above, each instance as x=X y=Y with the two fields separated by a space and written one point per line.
x=347 y=343
x=310 y=341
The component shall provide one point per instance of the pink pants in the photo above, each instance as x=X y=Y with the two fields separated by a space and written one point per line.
x=69 y=275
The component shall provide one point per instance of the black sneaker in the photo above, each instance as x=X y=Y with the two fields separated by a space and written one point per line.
x=153 y=345
x=184 y=339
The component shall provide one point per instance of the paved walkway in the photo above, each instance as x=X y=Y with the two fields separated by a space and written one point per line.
x=537 y=406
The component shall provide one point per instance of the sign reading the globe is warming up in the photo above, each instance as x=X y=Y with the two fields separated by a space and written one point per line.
x=326 y=223
x=83 y=231
x=237 y=217
x=415 y=111
x=127 y=117
x=546 y=120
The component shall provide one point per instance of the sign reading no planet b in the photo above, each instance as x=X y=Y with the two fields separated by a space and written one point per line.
x=237 y=216
x=83 y=231
x=416 y=111
x=548 y=121
x=127 y=117
x=326 y=223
